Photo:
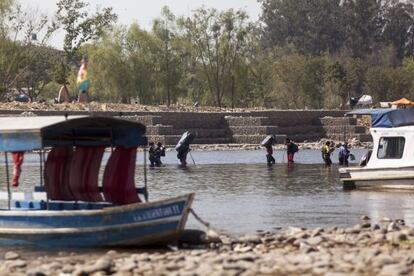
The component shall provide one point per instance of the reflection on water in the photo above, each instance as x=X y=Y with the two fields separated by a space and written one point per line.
x=238 y=192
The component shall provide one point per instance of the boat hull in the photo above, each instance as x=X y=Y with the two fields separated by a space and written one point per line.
x=129 y=225
x=377 y=178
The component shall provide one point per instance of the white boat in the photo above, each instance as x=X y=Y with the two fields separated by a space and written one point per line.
x=391 y=164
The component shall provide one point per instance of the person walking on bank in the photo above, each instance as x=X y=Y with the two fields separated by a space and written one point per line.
x=327 y=149
x=292 y=148
x=83 y=81
x=343 y=154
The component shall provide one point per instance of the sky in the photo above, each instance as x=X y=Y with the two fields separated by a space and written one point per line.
x=145 y=11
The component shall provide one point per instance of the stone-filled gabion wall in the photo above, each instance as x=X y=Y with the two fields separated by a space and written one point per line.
x=236 y=127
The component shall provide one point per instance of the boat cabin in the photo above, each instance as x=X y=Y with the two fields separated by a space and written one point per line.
x=392 y=131
x=71 y=151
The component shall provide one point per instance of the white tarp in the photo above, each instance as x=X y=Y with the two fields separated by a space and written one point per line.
x=365 y=100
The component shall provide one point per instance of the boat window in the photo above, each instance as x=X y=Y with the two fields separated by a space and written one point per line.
x=391 y=147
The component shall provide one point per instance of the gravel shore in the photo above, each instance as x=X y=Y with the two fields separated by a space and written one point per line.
x=365 y=249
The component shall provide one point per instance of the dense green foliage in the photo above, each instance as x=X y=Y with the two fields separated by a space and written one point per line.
x=300 y=54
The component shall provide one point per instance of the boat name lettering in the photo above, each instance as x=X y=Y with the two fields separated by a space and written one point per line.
x=158 y=212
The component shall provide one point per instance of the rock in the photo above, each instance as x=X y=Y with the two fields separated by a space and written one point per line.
x=364 y=218
x=128 y=266
x=35 y=272
x=17 y=264
x=379 y=237
x=396 y=237
x=394 y=269
x=366 y=225
x=375 y=227
x=317 y=232
x=354 y=230
x=111 y=253
x=68 y=268
x=393 y=226
x=11 y=255
x=102 y=264
x=254 y=239
x=213 y=237
x=386 y=219
x=294 y=231
x=242 y=249
x=315 y=241
x=382 y=260
x=306 y=248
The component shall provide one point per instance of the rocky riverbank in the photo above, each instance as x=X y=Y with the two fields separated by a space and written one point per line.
x=365 y=249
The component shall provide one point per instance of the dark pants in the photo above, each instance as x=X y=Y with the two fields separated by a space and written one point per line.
x=270 y=159
x=343 y=161
x=182 y=156
x=327 y=159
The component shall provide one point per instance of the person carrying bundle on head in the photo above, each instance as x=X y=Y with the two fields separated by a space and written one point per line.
x=268 y=144
x=183 y=147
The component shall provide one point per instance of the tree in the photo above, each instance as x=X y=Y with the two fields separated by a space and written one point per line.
x=313 y=26
x=363 y=22
x=219 y=39
x=398 y=27
x=165 y=31
x=79 y=26
x=20 y=49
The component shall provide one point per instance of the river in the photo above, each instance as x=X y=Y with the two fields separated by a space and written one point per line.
x=237 y=192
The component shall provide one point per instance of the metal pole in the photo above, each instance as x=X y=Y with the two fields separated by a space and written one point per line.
x=41 y=168
x=8 y=181
x=192 y=158
x=145 y=175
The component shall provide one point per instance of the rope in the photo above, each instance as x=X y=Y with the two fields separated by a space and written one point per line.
x=200 y=220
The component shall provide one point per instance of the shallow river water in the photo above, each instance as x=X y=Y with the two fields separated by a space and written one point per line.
x=237 y=192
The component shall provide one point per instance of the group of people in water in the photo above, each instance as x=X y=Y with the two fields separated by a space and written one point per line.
x=343 y=155
x=156 y=151
x=291 y=148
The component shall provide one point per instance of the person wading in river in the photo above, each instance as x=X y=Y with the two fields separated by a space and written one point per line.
x=159 y=152
x=292 y=148
x=269 y=156
x=327 y=149
x=343 y=154
x=151 y=154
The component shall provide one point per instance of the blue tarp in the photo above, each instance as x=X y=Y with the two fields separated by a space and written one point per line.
x=392 y=118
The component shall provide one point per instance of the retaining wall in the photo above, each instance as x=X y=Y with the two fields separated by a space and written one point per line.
x=234 y=127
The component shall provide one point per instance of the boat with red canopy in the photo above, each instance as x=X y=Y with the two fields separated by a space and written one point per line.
x=70 y=207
